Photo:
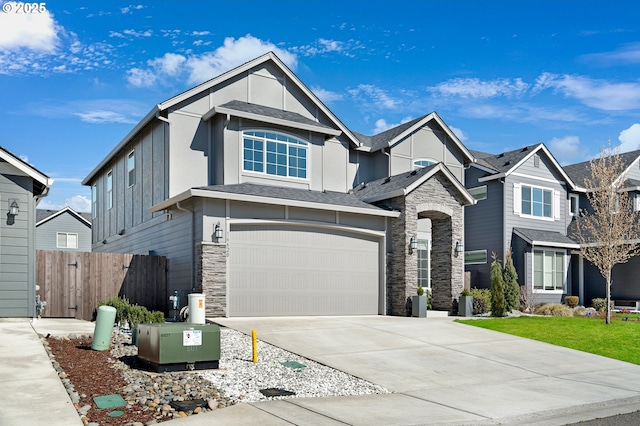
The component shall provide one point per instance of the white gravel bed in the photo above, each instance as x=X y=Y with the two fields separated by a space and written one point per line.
x=240 y=380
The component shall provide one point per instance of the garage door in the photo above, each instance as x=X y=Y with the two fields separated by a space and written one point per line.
x=279 y=270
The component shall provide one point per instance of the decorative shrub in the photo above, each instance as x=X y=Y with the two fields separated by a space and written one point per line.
x=481 y=300
x=465 y=292
x=554 y=310
x=420 y=291
x=511 y=286
x=572 y=301
x=600 y=304
x=498 y=305
x=579 y=311
x=132 y=314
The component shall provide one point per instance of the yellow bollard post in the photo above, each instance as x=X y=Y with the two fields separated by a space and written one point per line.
x=254 y=340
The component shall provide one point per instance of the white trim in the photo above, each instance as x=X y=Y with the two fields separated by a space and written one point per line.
x=541 y=243
x=129 y=156
x=310 y=224
x=305 y=144
x=67 y=239
x=61 y=211
x=479 y=188
x=577 y=198
x=27 y=170
x=523 y=175
x=565 y=265
x=553 y=216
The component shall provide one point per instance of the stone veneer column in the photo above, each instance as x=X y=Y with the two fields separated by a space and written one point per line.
x=211 y=277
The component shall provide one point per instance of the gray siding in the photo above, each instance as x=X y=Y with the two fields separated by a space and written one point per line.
x=47 y=233
x=17 y=248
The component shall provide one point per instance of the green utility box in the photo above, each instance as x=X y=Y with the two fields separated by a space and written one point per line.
x=179 y=346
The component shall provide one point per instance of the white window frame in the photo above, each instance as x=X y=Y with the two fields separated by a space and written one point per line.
x=479 y=192
x=483 y=252
x=636 y=202
x=417 y=166
x=66 y=235
x=421 y=243
x=131 y=168
x=304 y=144
x=517 y=202
x=556 y=253
x=94 y=201
x=109 y=189
x=572 y=211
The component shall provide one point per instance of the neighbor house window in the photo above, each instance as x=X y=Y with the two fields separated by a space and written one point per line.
x=110 y=189
x=636 y=203
x=574 y=206
x=536 y=201
x=131 y=168
x=67 y=240
x=548 y=270
x=94 y=201
x=424 y=267
x=275 y=154
x=475 y=257
x=479 y=192
x=418 y=164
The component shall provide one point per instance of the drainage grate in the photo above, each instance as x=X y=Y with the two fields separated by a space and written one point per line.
x=276 y=392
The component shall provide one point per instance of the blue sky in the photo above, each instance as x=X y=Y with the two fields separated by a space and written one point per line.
x=76 y=76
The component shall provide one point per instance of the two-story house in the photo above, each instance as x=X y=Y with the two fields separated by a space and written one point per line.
x=261 y=198
x=63 y=229
x=523 y=204
x=589 y=283
x=21 y=188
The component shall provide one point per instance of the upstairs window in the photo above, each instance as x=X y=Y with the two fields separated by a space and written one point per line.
x=275 y=154
x=479 y=192
x=110 y=189
x=94 y=201
x=131 y=168
x=67 y=240
x=418 y=164
x=574 y=205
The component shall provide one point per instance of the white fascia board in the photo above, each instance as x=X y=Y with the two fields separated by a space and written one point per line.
x=483 y=168
x=267 y=200
x=542 y=147
x=26 y=169
x=271 y=120
x=492 y=177
x=141 y=124
x=546 y=243
x=62 y=211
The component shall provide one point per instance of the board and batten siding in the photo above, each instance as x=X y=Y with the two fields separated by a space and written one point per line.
x=47 y=233
x=17 y=246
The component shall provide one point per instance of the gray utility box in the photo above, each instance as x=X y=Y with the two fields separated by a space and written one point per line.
x=179 y=346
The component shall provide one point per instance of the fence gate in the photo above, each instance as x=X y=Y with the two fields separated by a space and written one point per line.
x=73 y=283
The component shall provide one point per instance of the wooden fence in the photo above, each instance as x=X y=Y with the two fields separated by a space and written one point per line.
x=72 y=283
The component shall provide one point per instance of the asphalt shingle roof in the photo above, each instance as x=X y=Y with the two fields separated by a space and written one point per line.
x=505 y=161
x=546 y=236
x=381 y=140
x=390 y=184
x=272 y=112
x=320 y=197
x=580 y=171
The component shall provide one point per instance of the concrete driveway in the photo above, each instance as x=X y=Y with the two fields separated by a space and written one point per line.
x=439 y=372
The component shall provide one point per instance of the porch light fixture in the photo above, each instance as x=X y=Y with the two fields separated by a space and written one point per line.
x=413 y=244
x=14 y=208
x=458 y=248
x=217 y=232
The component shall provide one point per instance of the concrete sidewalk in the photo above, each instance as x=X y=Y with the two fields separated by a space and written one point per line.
x=440 y=372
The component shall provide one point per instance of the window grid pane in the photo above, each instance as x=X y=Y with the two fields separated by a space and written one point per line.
x=285 y=155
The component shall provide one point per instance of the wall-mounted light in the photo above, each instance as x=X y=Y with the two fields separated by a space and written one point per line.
x=14 y=208
x=413 y=245
x=217 y=232
x=458 y=248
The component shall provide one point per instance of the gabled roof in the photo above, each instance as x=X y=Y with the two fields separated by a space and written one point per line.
x=580 y=171
x=504 y=164
x=536 y=237
x=272 y=115
x=158 y=110
x=404 y=183
x=394 y=135
x=251 y=192
x=42 y=183
x=44 y=216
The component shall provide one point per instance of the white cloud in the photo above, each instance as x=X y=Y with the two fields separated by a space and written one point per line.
x=170 y=64
x=79 y=203
x=476 y=88
x=232 y=53
x=628 y=54
x=459 y=133
x=33 y=31
x=326 y=96
x=141 y=78
x=103 y=116
x=630 y=138
x=566 y=149
x=129 y=9
x=95 y=111
x=200 y=33
x=599 y=94
x=382 y=125
x=374 y=96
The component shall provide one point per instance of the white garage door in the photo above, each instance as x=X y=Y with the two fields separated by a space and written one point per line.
x=279 y=270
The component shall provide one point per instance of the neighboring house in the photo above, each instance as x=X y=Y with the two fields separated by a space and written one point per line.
x=65 y=230
x=21 y=188
x=246 y=184
x=589 y=283
x=523 y=204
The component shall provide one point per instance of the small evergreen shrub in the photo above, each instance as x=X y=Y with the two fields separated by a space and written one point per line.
x=481 y=300
x=420 y=291
x=554 y=310
x=465 y=292
x=571 y=301
x=511 y=286
x=132 y=314
x=498 y=305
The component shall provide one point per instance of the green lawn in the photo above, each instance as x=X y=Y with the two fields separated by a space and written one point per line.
x=619 y=340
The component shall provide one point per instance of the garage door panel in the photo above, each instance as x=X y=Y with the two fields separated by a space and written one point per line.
x=297 y=270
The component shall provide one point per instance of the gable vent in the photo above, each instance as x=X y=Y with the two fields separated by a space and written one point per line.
x=506 y=163
x=526 y=148
x=500 y=155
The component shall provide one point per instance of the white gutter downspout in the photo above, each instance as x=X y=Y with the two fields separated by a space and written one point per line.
x=193 y=242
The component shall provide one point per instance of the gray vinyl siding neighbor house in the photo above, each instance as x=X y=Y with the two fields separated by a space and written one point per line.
x=247 y=184
x=65 y=230
x=526 y=210
x=21 y=185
